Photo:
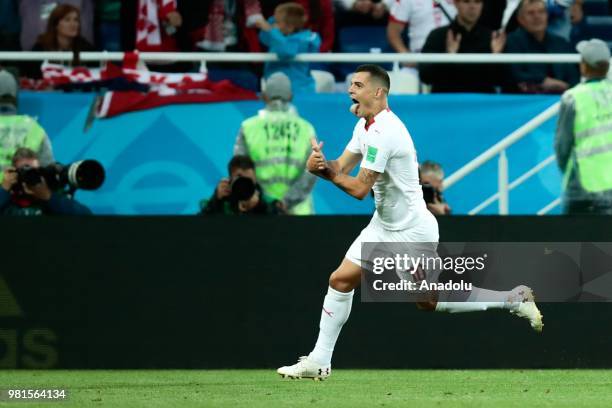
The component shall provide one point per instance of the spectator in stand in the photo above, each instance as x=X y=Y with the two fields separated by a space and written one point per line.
x=285 y=35
x=279 y=142
x=153 y=26
x=230 y=26
x=563 y=16
x=36 y=13
x=362 y=12
x=463 y=35
x=156 y=24
x=9 y=25
x=532 y=37
x=319 y=16
x=63 y=34
x=421 y=17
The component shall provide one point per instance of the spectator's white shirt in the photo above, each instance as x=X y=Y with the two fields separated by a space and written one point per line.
x=422 y=16
x=348 y=4
x=387 y=148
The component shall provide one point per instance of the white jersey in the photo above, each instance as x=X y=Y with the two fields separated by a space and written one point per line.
x=387 y=148
x=422 y=16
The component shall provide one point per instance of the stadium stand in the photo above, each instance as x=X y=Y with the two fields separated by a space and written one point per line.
x=595 y=7
x=361 y=39
x=599 y=27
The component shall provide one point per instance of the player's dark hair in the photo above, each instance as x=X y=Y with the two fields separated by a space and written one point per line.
x=240 y=162
x=377 y=72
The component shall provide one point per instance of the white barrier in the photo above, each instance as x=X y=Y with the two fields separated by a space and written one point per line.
x=319 y=57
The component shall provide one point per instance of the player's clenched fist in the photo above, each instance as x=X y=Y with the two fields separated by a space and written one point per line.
x=316 y=161
x=317 y=164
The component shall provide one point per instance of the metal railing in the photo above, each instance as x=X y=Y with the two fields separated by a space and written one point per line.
x=503 y=184
x=318 y=57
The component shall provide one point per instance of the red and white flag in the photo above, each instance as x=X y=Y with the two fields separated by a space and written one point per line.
x=149 y=33
x=164 y=88
x=117 y=102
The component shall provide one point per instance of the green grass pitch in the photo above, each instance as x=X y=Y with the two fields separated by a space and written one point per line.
x=346 y=388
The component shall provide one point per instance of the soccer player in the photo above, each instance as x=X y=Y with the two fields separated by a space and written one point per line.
x=388 y=165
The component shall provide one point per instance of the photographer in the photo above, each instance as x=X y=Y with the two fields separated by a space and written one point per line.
x=432 y=176
x=240 y=194
x=32 y=196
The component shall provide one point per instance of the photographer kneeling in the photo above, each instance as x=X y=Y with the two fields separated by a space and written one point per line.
x=240 y=194
x=25 y=192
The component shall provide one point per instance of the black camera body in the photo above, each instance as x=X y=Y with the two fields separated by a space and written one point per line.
x=242 y=188
x=431 y=195
x=84 y=174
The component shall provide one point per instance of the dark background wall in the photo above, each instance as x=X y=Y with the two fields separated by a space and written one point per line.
x=120 y=292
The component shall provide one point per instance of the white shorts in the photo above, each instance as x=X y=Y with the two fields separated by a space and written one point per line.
x=425 y=231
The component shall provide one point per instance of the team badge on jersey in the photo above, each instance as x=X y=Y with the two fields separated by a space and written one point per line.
x=371 y=156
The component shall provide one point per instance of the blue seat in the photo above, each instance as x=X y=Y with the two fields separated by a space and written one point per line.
x=599 y=27
x=595 y=7
x=362 y=38
x=359 y=39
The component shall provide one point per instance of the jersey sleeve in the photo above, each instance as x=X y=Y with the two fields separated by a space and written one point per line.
x=376 y=158
x=378 y=152
x=353 y=145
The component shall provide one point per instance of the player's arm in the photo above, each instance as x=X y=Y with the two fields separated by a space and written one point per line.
x=358 y=187
x=327 y=169
x=346 y=162
x=394 y=36
x=337 y=171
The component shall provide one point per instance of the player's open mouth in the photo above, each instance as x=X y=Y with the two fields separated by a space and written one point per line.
x=355 y=106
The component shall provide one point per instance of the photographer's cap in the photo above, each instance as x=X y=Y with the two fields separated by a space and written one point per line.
x=593 y=51
x=278 y=86
x=8 y=85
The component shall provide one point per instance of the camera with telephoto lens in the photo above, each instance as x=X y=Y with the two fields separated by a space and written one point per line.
x=84 y=174
x=242 y=188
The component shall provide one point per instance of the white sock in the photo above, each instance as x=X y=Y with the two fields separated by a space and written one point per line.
x=475 y=302
x=336 y=310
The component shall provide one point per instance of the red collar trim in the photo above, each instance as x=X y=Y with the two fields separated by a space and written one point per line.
x=370 y=123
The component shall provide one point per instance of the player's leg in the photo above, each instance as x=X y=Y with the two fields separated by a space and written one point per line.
x=519 y=300
x=336 y=310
